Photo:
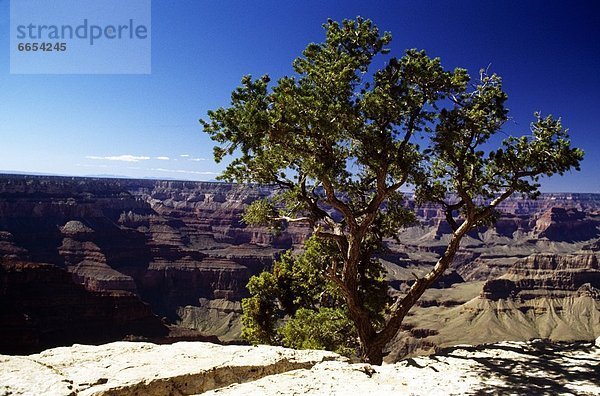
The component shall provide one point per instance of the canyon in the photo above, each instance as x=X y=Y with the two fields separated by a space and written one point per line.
x=91 y=260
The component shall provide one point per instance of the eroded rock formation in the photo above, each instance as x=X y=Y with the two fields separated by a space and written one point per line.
x=546 y=275
x=41 y=307
x=547 y=296
x=182 y=247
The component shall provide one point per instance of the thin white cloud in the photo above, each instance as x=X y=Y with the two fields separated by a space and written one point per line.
x=179 y=171
x=123 y=158
x=183 y=171
x=184 y=155
x=198 y=159
x=163 y=158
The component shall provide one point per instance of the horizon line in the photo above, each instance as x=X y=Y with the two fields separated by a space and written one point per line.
x=5 y=173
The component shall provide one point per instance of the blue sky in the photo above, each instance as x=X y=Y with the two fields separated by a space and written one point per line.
x=548 y=53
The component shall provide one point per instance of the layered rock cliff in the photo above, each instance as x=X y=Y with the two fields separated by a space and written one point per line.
x=42 y=307
x=169 y=244
x=545 y=296
x=182 y=248
x=547 y=275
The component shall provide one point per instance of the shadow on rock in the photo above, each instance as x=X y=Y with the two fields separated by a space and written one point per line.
x=540 y=368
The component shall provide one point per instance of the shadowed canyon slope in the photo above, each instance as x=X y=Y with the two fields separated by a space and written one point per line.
x=180 y=249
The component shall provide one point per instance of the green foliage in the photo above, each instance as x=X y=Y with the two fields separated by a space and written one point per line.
x=458 y=164
x=259 y=213
x=340 y=138
x=297 y=292
x=325 y=328
x=294 y=282
x=259 y=319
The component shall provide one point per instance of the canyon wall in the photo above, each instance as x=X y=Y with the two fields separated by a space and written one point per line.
x=42 y=307
x=182 y=248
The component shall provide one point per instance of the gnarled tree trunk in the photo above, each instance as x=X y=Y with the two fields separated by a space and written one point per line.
x=372 y=344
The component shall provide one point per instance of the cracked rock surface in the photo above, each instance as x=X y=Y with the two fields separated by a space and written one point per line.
x=191 y=368
x=127 y=368
x=521 y=368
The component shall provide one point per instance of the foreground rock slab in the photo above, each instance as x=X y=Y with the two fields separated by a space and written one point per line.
x=185 y=368
x=522 y=368
x=127 y=368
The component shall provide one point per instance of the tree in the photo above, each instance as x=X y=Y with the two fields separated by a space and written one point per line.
x=339 y=143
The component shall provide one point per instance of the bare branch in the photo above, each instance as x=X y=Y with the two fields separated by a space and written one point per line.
x=334 y=201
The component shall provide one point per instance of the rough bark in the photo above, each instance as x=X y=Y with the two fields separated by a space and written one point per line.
x=372 y=343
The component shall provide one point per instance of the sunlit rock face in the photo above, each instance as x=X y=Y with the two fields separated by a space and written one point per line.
x=549 y=296
x=549 y=274
x=560 y=224
x=182 y=248
x=186 y=368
